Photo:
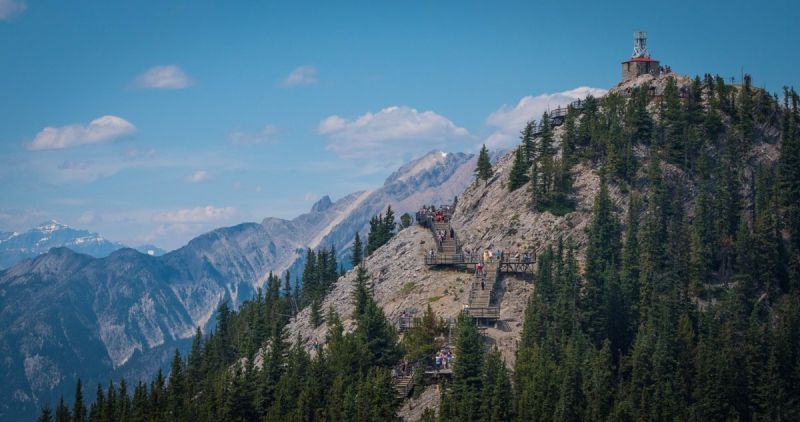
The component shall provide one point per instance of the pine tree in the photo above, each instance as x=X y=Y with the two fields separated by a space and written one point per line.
x=602 y=264
x=362 y=292
x=571 y=402
x=483 y=170
x=598 y=385
x=316 y=313
x=528 y=142
x=176 y=390
x=462 y=399
x=62 y=411
x=518 y=175
x=496 y=392
x=78 y=406
x=45 y=414
x=96 y=409
x=405 y=220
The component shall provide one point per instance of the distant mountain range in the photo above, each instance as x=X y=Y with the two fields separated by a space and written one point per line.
x=65 y=315
x=15 y=247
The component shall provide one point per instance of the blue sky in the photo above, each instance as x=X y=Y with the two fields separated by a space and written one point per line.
x=154 y=121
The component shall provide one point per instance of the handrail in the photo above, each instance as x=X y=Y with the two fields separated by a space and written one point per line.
x=487 y=312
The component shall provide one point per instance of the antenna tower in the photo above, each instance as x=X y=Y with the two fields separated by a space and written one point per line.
x=639 y=44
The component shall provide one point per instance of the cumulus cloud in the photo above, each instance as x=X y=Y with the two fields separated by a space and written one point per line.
x=391 y=132
x=199 y=176
x=267 y=135
x=302 y=75
x=102 y=129
x=205 y=214
x=508 y=121
x=163 y=77
x=11 y=8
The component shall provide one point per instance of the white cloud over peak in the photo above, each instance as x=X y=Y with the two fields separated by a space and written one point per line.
x=199 y=176
x=102 y=129
x=11 y=8
x=164 y=77
x=205 y=214
x=267 y=135
x=301 y=75
x=389 y=134
x=508 y=121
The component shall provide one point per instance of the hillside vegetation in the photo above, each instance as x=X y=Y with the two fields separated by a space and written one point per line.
x=667 y=231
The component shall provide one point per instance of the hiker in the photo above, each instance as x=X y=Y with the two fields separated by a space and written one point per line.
x=438 y=361
x=483 y=284
x=452 y=233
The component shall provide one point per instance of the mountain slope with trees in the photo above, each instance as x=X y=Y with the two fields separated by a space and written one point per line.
x=667 y=234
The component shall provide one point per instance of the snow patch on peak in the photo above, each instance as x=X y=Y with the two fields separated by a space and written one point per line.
x=51 y=226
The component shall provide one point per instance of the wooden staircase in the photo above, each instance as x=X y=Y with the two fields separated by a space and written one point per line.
x=480 y=299
x=449 y=245
x=403 y=385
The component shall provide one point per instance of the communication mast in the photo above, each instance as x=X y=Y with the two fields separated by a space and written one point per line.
x=639 y=44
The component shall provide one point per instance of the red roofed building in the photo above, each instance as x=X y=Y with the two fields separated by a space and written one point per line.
x=640 y=62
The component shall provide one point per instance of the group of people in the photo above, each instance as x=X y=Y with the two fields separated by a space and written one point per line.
x=444 y=358
x=432 y=213
x=492 y=254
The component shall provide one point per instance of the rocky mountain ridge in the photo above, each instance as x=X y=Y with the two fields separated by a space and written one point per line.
x=15 y=247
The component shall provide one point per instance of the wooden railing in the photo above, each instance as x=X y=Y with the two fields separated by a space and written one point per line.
x=489 y=312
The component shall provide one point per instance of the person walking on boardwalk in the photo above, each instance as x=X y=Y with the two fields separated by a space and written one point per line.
x=483 y=284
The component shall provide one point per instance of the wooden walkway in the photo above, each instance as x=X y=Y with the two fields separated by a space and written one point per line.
x=482 y=293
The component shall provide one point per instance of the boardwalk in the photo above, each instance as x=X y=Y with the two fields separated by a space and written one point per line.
x=482 y=293
x=481 y=304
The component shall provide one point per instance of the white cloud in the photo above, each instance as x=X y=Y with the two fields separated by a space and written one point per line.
x=509 y=121
x=105 y=128
x=163 y=77
x=89 y=217
x=389 y=134
x=310 y=196
x=302 y=75
x=11 y=8
x=199 y=176
x=267 y=135
x=205 y=214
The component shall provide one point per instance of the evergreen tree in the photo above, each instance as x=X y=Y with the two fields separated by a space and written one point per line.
x=316 y=313
x=496 y=389
x=78 y=406
x=528 y=142
x=598 y=385
x=405 y=220
x=602 y=264
x=62 y=411
x=176 y=390
x=462 y=400
x=518 y=175
x=45 y=414
x=483 y=170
